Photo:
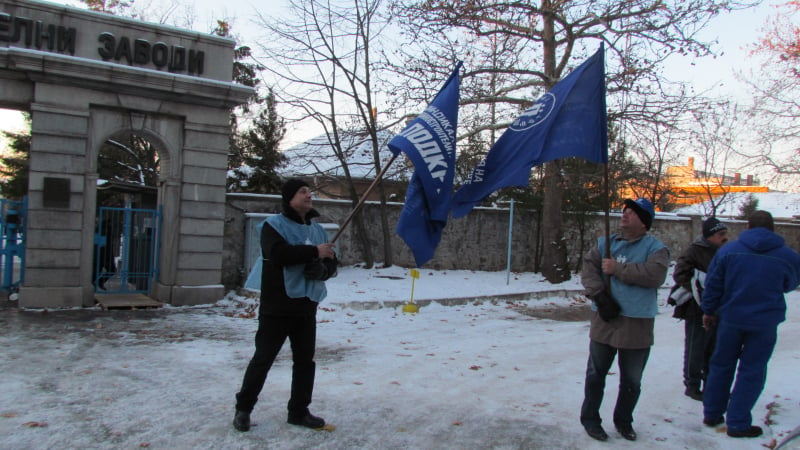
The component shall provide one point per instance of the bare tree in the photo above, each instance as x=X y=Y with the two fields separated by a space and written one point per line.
x=776 y=88
x=320 y=58
x=551 y=37
x=714 y=137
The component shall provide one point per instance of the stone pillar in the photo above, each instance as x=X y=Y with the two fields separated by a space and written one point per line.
x=56 y=204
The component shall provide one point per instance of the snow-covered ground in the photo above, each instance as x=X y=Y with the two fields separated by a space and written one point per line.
x=475 y=374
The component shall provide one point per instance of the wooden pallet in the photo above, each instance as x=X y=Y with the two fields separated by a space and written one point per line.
x=126 y=301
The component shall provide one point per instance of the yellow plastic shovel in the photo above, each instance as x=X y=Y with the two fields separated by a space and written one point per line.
x=412 y=307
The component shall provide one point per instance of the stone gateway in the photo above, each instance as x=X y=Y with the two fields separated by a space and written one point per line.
x=85 y=77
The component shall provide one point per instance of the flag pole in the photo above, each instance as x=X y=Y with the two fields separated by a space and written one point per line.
x=607 y=221
x=363 y=198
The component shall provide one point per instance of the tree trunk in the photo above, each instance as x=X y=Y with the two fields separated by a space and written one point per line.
x=554 y=252
x=363 y=239
x=387 y=232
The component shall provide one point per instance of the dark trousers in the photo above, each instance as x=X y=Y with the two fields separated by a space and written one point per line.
x=694 y=349
x=631 y=367
x=751 y=350
x=272 y=333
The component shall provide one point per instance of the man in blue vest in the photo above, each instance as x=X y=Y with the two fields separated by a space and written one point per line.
x=623 y=287
x=744 y=297
x=289 y=299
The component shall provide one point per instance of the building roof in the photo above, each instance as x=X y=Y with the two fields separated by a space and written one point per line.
x=315 y=157
x=782 y=205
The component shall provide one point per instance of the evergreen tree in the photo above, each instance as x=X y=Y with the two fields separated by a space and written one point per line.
x=258 y=150
x=748 y=207
x=253 y=156
x=14 y=169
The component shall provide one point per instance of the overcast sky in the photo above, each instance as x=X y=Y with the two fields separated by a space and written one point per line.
x=734 y=31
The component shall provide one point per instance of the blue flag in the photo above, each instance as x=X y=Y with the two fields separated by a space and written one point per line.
x=429 y=141
x=569 y=120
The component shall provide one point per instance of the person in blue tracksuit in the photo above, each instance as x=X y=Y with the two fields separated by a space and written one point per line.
x=744 y=297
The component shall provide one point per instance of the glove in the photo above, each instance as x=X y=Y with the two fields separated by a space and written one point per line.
x=321 y=269
x=607 y=306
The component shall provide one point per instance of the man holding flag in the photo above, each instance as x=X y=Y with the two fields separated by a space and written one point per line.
x=569 y=120
x=429 y=141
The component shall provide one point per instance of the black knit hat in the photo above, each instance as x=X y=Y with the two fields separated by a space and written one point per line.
x=290 y=188
x=711 y=226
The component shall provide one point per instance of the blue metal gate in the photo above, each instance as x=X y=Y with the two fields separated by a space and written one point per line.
x=13 y=217
x=126 y=250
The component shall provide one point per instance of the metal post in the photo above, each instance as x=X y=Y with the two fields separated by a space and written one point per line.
x=510 y=232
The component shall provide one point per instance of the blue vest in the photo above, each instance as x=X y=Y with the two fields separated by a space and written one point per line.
x=297 y=286
x=635 y=301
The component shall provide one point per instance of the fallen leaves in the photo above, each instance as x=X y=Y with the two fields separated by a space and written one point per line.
x=35 y=424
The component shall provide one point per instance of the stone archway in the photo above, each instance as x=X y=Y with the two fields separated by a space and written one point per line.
x=85 y=76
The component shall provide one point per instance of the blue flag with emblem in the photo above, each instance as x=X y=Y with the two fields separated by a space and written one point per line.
x=429 y=141
x=569 y=120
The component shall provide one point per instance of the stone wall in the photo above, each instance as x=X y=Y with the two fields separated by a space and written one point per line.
x=478 y=241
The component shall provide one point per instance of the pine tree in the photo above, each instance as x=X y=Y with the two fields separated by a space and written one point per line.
x=259 y=150
x=14 y=170
x=253 y=156
x=748 y=207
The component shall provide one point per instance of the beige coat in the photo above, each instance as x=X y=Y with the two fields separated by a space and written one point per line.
x=624 y=332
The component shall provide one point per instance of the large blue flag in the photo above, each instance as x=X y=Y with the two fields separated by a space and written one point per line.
x=568 y=120
x=429 y=141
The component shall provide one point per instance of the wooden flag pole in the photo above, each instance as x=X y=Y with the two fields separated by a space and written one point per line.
x=607 y=207
x=363 y=198
x=607 y=222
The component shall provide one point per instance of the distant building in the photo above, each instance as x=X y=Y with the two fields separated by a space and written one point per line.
x=690 y=186
x=315 y=162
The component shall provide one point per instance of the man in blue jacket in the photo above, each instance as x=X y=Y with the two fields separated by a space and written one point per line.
x=744 y=296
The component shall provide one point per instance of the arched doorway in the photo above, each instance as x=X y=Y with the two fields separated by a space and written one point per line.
x=127 y=227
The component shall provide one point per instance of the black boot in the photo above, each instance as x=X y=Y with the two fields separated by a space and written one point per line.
x=694 y=393
x=713 y=421
x=241 y=421
x=308 y=420
x=627 y=432
x=751 y=432
x=596 y=432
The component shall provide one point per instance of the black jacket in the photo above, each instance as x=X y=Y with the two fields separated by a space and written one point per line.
x=697 y=256
x=277 y=254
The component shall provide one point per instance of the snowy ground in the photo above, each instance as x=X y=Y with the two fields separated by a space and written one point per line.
x=474 y=374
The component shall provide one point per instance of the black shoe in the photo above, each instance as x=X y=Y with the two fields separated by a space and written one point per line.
x=596 y=432
x=627 y=432
x=693 y=393
x=308 y=421
x=753 y=431
x=241 y=421
x=712 y=422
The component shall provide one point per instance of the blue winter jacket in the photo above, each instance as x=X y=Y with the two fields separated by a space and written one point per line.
x=748 y=278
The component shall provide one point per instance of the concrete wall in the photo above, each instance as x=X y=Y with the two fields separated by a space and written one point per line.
x=475 y=242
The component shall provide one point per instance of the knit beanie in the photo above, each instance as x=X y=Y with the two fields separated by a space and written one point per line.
x=289 y=189
x=644 y=209
x=711 y=226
